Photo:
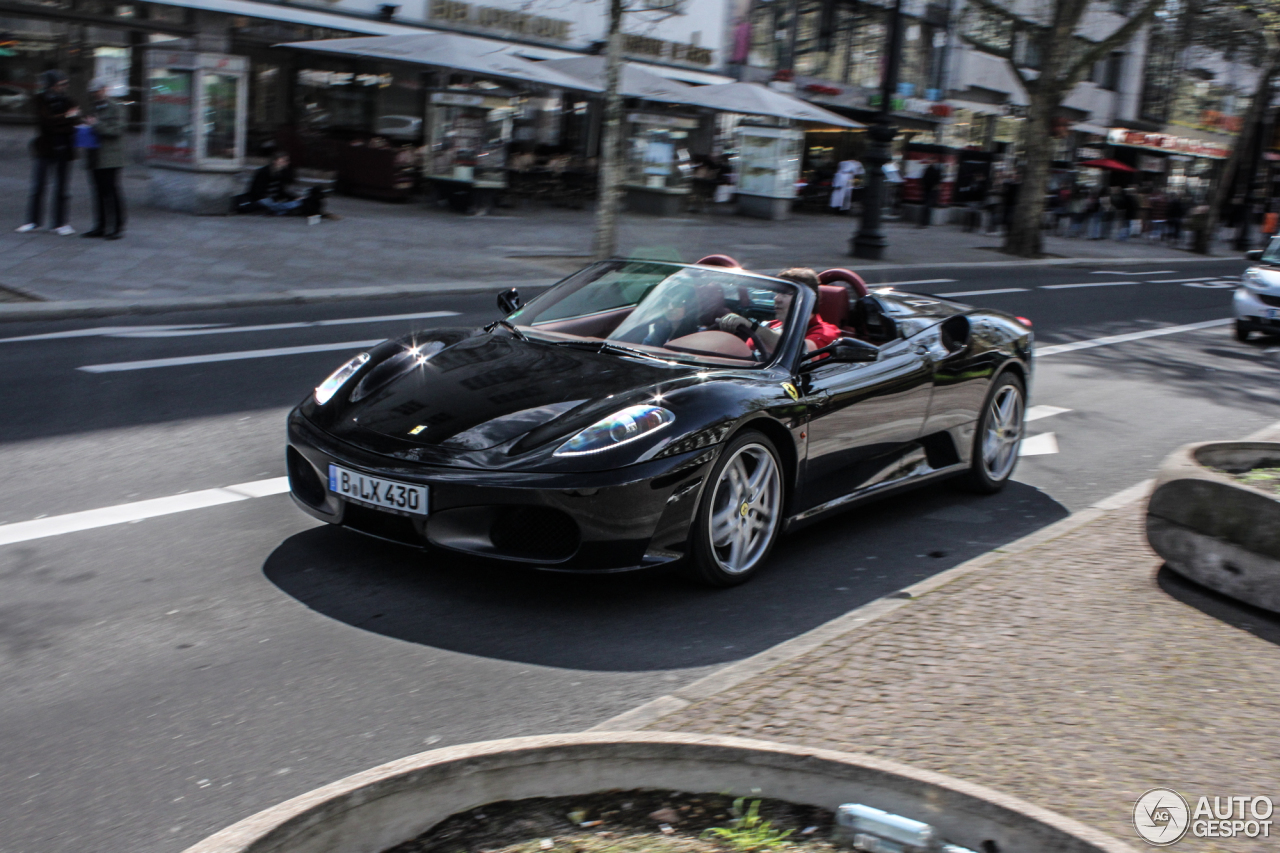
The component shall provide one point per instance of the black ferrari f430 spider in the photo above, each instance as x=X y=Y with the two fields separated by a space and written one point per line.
x=618 y=421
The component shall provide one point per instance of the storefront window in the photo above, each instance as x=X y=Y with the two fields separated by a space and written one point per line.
x=658 y=152
x=220 y=103
x=172 y=132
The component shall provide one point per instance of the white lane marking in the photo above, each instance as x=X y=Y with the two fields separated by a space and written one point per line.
x=1130 y=272
x=1084 y=284
x=25 y=531
x=1215 y=284
x=983 y=292
x=1035 y=413
x=1183 y=280
x=1057 y=349
x=917 y=281
x=271 y=327
x=102 y=331
x=180 y=361
x=1044 y=444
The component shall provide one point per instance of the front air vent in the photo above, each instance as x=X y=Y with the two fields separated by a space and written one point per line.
x=534 y=533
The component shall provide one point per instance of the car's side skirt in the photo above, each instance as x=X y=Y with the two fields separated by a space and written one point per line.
x=918 y=477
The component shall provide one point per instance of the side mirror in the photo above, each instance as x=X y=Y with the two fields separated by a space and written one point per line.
x=844 y=351
x=509 y=301
x=1253 y=255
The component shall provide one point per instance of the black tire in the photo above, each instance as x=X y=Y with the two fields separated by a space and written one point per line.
x=988 y=475
x=712 y=559
x=1242 y=333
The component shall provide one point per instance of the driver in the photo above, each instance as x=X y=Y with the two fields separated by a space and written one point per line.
x=818 y=335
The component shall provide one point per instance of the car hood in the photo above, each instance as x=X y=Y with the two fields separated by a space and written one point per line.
x=486 y=391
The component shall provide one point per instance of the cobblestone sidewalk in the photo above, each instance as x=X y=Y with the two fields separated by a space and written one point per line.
x=1065 y=675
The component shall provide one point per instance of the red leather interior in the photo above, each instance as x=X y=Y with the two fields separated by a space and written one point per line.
x=711 y=343
x=849 y=277
x=591 y=326
x=719 y=261
x=833 y=304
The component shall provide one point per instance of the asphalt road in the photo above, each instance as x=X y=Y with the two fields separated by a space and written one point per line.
x=164 y=678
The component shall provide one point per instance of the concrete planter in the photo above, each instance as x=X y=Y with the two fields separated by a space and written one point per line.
x=379 y=808
x=1214 y=530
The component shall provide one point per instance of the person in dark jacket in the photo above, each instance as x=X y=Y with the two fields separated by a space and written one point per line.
x=929 y=182
x=270 y=187
x=52 y=149
x=104 y=162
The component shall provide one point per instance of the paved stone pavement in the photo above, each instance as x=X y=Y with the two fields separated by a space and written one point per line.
x=168 y=255
x=1065 y=675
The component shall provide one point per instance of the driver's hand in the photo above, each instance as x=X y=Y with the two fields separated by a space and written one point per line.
x=734 y=324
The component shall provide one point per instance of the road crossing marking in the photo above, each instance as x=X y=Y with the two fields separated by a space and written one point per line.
x=271 y=327
x=1044 y=444
x=983 y=292
x=1131 y=272
x=103 y=331
x=1035 y=413
x=41 y=528
x=1057 y=349
x=180 y=361
x=1085 y=284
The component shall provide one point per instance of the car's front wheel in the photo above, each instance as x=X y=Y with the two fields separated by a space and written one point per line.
x=740 y=514
x=999 y=435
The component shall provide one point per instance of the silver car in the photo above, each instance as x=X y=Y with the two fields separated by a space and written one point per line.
x=1257 y=303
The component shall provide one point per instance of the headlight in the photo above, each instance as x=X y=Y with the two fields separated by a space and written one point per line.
x=619 y=428
x=1253 y=278
x=326 y=389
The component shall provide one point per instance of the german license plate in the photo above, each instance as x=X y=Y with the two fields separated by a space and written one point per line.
x=404 y=498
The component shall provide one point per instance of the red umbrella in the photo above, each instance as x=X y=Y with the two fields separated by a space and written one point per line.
x=1113 y=165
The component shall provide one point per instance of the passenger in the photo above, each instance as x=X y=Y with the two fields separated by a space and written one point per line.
x=818 y=335
x=669 y=314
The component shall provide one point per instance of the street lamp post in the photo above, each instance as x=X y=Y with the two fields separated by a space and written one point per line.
x=870 y=241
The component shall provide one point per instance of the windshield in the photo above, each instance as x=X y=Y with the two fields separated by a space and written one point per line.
x=665 y=310
x=1272 y=254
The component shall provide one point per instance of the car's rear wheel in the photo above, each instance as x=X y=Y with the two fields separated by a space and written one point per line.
x=999 y=435
x=1242 y=332
x=740 y=514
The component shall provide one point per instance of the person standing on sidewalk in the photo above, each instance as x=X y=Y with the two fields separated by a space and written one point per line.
x=52 y=151
x=929 y=181
x=105 y=161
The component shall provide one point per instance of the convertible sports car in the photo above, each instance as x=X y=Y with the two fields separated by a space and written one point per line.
x=612 y=423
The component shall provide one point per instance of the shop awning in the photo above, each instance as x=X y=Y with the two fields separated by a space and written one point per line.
x=635 y=81
x=979 y=107
x=1095 y=129
x=754 y=99
x=452 y=51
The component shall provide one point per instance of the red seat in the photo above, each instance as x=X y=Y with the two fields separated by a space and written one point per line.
x=849 y=277
x=719 y=261
x=833 y=304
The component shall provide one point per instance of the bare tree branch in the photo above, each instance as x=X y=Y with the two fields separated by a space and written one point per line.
x=1122 y=35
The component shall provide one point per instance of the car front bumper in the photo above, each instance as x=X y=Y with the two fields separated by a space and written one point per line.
x=607 y=521
x=1253 y=314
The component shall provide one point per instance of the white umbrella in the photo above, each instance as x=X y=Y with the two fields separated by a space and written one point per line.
x=634 y=81
x=450 y=50
x=754 y=99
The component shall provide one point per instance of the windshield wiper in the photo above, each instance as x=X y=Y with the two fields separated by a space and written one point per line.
x=603 y=346
x=509 y=327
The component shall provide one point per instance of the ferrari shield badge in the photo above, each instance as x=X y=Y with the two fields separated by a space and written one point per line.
x=791 y=390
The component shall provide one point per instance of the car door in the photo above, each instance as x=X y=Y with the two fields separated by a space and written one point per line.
x=861 y=417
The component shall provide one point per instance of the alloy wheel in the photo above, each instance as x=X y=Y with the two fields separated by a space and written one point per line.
x=1003 y=433
x=745 y=509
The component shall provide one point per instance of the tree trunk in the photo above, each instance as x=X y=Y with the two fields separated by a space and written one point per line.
x=1025 y=232
x=605 y=244
x=1227 y=180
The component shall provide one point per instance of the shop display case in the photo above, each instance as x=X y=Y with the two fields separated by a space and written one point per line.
x=768 y=167
x=197 y=116
x=658 y=168
x=469 y=134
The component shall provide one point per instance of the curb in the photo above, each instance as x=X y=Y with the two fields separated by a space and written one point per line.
x=386 y=805
x=1051 y=262
x=731 y=676
x=70 y=309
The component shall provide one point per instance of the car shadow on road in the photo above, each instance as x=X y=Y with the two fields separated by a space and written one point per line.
x=653 y=620
x=1263 y=624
